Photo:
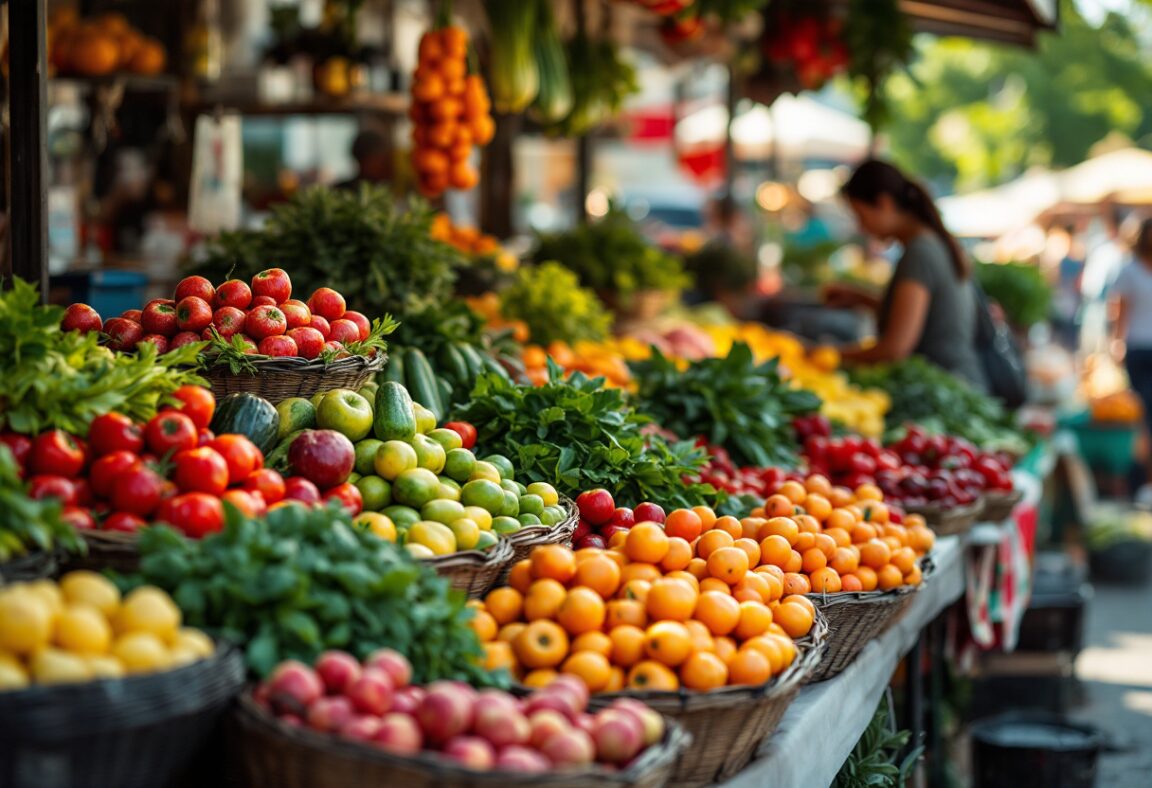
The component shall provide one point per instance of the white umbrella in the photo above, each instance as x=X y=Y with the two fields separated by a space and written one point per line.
x=990 y=213
x=1115 y=174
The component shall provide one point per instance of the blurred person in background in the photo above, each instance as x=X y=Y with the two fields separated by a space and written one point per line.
x=1132 y=328
x=1067 y=300
x=1106 y=254
x=373 y=155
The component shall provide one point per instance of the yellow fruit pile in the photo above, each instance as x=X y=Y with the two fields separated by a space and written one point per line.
x=80 y=629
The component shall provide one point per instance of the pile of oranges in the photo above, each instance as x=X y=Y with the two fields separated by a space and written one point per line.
x=467 y=239
x=450 y=113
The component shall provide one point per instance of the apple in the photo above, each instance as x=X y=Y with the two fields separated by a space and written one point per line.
x=281 y=347
x=336 y=347
x=407 y=699
x=362 y=322
x=545 y=724
x=650 y=718
x=261 y=300
x=346 y=412
x=228 y=320
x=608 y=531
x=649 y=512
x=265 y=321
x=445 y=711
x=196 y=287
x=372 y=692
x=591 y=540
x=566 y=682
x=296 y=313
x=581 y=530
x=472 y=752
x=361 y=728
x=327 y=303
x=521 y=759
x=392 y=662
x=292 y=719
x=183 y=338
x=339 y=670
x=309 y=341
x=596 y=506
x=344 y=331
x=618 y=735
x=131 y=314
x=563 y=702
x=247 y=346
x=623 y=516
x=123 y=334
x=572 y=747
x=348 y=495
x=322 y=325
x=499 y=721
x=159 y=340
x=330 y=714
x=399 y=734
x=159 y=317
x=297 y=488
x=193 y=314
x=273 y=283
x=234 y=293
x=81 y=317
x=585 y=722
x=324 y=457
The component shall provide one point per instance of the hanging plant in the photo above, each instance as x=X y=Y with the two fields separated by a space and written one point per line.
x=806 y=38
x=879 y=38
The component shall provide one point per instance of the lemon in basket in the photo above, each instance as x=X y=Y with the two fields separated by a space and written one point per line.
x=25 y=620
x=88 y=588
x=148 y=609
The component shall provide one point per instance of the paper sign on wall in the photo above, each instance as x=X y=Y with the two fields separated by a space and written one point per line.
x=217 y=173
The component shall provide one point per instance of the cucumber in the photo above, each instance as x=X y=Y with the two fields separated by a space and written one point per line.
x=473 y=358
x=452 y=366
x=492 y=365
x=394 y=418
x=445 y=389
x=277 y=459
x=393 y=371
x=422 y=382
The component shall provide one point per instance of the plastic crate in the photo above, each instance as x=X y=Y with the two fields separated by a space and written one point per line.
x=1108 y=448
x=108 y=292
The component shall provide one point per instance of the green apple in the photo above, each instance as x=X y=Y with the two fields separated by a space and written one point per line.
x=376 y=493
x=425 y=419
x=368 y=390
x=429 y=453
x=366 y=455
x=345 y=411
x=317 y=398
x=447 y=438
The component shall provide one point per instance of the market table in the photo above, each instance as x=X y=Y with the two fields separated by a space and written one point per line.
x=826 y=720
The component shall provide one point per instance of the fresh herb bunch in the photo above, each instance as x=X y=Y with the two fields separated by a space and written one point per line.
x=306 y=580
x=550 y=300
x=733 y=402
x=879 y=37
x=27 y=524
x=873 y=761
x=600 y=82
x=360 y=242
x=63 y=379
x=1020 y=290
x=612 y=256
x=232 y=352
x=925 y=394
x=575 y=434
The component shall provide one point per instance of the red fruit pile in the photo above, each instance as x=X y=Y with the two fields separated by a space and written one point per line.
x=490 y=730
x=263 y=313
x=723 y=474
x=808 y=42
x=601 y=518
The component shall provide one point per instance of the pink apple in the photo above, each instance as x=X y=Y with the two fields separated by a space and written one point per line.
x=372 y=692
x=445 y=711
x=573 y=684
x=618 y=734
x=545 y=724
x=338 y=670
x=572 y=747
x=330 y=714
x=393 y=663
x=296 y=313
x=399 y=734
x=651 y=719
x=291 y=719
x=309 y=341
x=562 y=702
x=596 y=506
x=499 y=721
x=293 y=687
x=521 y=759
x=407 y=699
x=649 y=512
x=585 y=722
x=362 y=322
x=344 y=331
x=361 y=728
x=471 y=752
x=623 y=516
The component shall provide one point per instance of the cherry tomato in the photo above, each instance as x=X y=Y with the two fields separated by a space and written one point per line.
x=170 y=432
x=124 y=522
x=104 y=470
x=45 y=486
x=114 y=432
x=56 y=453
x=268 y=483
x=348 y=495
x=200 y=470
x=249 y=504
x=241 y=454
x=465 y=430
x=197 y=514
x=197 y=403
x=20 y=446
x=137 y=491
x=78 y=517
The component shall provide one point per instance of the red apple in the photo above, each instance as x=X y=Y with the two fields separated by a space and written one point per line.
x=596 y=506
x=445 y=712
x=336 y=347
x=196 y=287
x=160 y=341
x=498 y=719
x=183 y=338
x=650 y=718
x=265 y=321
x=51 y=486
x=392 y=662
x=581 y=530
x=322 y=325
x=293 y=687
x=591 y=540
x=278 y=346
x=123 y=334
x=399 y=734
x=123 y=522
x=296 y=313
x=521 y=759
x=81 y=317
x=229 y=320
x=327 y=303
x=566 y=682
x=545 y=724
x=339 y=670
x=234 y=293
x=608 y=531
x=273 y=283
x=649 y=512
x=297 y=488
x=471 y=752
x=372 y=692
x=361 y=321
x=330 y=714
x=618 y=734
x=258 y=301
x=407 y=699
x=623 y=516
x=344 y=331
x=324 y=457
x=309 y=341
x=193 y=314
x=131 y=314
x=159 y=317
x=248 y=347
x=361 y=728
x=572 y=747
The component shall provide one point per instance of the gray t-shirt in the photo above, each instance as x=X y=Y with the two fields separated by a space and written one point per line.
x=947 y=339
x=1134 y=285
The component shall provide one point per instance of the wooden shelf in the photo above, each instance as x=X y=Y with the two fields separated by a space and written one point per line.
x=366 y=104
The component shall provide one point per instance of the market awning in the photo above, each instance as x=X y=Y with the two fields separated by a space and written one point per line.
x=1010 y=21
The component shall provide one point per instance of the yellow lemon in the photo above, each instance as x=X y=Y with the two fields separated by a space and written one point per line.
x=141 y=652
x=25 y=621
x=83 y=629
x=195 y=641
x=12 y=673
x=53 y=666
x=89 y=588
x=103 y=666
x=148 y=609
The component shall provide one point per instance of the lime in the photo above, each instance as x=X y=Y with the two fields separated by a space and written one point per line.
x=467 y=533
x=425 y=419
x=503 y=464
x=545 y=491
x=353 y=477
x=485 y=494
x=393 y=458
x=366 y=455
x=449 y=492
x=437 y=537
x=485 y=470
x=528 y=519
x=550 y=516
x=531 y=504
x=447 y=438
x=376 y=492
x=452 y=483
x=521 y=489
x=506 y=525
x=510 y=486
x=403 y=516
x=442 y=511
x=511 y=504
x=379 y=524
x=487 y=539
x=459 y=464
x=419 y=551
x=415 y=487
x=480 y=516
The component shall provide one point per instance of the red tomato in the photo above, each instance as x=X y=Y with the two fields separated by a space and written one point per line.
x=196 y=514
x=348 y=495
x=20 y=446
x=78 y=517
x=197 y=403
x=249 y=504
x=114 y=432
x=56 y=453
x=200 y=470
x=268 y=483
x=170 y=431
x=58 y=487
x=204 y=437
x=125 y=522
x=137 y=491
x=297 y=488
x=465 y=430
x=241 y=455
x=105 y=470
x=83 y=491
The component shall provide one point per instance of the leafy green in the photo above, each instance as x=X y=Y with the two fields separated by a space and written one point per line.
x=233 y=352
x=550 y=300
x=26 y=524
x=1020 y=290
x=63 y=379
x=733 y=402
x=872 y=762
x=575 y=434
x=305 y=580
x=719 y=266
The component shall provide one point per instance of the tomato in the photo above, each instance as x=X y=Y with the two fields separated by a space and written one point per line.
x=137 y=491
x=56 y=453
x=297 y=488
x=465 y=430
x=348 y=495
x=20 y=446
x=239 y=453
x=107 y=468
x=83 y=491
x=114 y=432
x=204 y=437
x=45 y=486
x=124 y=522
x=196 y=514
x=170 y=431
x=249 y=504
x=197 y=403
x=268 y=483
x=200 y=470
x=78 y=517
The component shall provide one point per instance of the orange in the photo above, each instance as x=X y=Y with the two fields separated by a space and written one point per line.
x=617 y=556
x=505 y=604
x=897 y=530
x=808 y=524
x=484 y=625
x=795 y=583
x=749 y=666
x=915 y=577
x=584 y=553
x=754 y=620
x=863 y=532
x=805 y=541
x=875 y=512
x=668 y=642
x=893 y=543
x=818 y=483
x=600 y=573
x=729 y=564
x=752 y=548
x=711 y=541
x=703 y=671
x=593 y=641
x=719 y=612
x=698 y=568
x=688 y=578
x=795 y=562
x=794 y=619
x=671 y=600
x=869 y=492
x=508 y=632
x=845 y=560
x=868 y=578
x=591 y=667
x=706 y=515
x=635 y=589
x=841 y=496
x=725 y=648
x=803 y=601
x=716 y=585
x=617 y=540
x=826 y=544
x=840 y=518
x=647 y=543
x=685 y=524
x=553 y=561
x=520 y=577
x=769 y=646
x=729 y=525
x=775 y=550
x=621 y=612
x=582 y=611
x=921 y=538
x=701 y=637
x=650 y=675
x=787 y=646
x=904 y=559
x=841 y=537
x=781 y=526
x=639 y=570
x=544 y=599
x=812 y=560
x=755 y=583
x=818 y=506
x=889 y=577
x=850 y=582
x=793 y=491
x=498 y=655
x=750 y=527
x=775 y=585
x=539 y=678
x=541 y=644
x=875 y=553
x=615 y=680
x=779 y=506
x=627 y=645
x=825 y=581
x=679 y=553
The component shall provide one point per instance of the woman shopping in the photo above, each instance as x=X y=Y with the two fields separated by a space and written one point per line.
x=1132 y=292
x=929 y=307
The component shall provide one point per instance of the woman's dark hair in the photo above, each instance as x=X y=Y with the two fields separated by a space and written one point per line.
x=1143 y=246
x=874 y=177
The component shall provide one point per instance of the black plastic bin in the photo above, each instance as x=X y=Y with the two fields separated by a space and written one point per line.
x=1054 y=620
x=1033 y=750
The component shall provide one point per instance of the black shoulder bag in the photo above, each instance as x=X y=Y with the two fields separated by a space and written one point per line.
x=1000 y=356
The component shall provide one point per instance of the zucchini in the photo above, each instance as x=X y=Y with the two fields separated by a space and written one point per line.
x=246 y=414
x=473 y=358
x=452 y=365
x=393 y=371
x=422 y=382
x=492 y=365
x=394 y=417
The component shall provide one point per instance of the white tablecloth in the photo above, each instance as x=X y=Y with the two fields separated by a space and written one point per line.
x=824 y=723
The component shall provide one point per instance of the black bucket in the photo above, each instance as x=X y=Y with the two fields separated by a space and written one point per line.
x=1033 y=750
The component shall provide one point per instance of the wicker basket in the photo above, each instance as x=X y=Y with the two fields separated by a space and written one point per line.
x=728 y=725
x=138 y=731
x=855 y=618
x=999 y=505
x=278 y=379
x=273 y=754
x=952 y=520
x=535 y=535
x=115 y=550
x=31 y=566
x=474 y=571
